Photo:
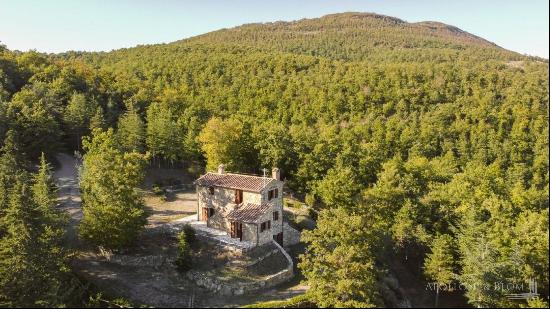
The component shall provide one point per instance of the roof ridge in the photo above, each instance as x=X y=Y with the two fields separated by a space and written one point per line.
x=257 y=204
x=241 y=174
x=235 y=181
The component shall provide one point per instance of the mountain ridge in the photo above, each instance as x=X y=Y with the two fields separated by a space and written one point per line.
x=349 y=36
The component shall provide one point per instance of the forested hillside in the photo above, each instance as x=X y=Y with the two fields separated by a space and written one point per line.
x=360 y=36
x=421 y=139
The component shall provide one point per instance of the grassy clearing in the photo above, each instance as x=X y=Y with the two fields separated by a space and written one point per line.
x=235 y=274
x=176 y=206
x=229 y=267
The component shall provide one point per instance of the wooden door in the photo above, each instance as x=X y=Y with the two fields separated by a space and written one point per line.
x=279 y=238
x=233 y=229
x=237 y=230
x=240 y=231
x=204 y=214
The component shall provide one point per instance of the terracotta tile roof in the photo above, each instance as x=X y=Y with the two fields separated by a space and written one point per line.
x=234 y=181
x=249 y=212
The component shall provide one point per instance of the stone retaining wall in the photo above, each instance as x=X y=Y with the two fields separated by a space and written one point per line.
x=155 y=261
x=224 y=246
x=239 y=288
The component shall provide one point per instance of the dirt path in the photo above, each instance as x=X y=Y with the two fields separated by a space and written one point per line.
x=66 y=177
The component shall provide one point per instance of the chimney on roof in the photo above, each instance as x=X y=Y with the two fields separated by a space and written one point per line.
x=275 y=173
x=221 y=169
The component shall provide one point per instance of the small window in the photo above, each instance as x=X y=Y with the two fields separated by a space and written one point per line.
x=211 y=212
x=271 y=194
x=275 y=216
x=265 y=226
x=211 y=190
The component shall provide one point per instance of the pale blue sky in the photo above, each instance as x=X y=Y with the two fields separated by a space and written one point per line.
x=61 y=25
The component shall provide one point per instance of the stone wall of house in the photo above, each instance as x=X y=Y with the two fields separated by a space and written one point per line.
x=217 y=221
x=276 y=226
x=249 y=232
x=219 y=200
x=223 y=202
x=252 y=232
x=223 y=197
x=252 y=197
x=267 y=235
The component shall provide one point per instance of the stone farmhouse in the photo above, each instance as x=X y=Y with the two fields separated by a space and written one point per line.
x=249 y=208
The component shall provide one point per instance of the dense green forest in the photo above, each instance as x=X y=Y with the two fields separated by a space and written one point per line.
x=430 y=141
